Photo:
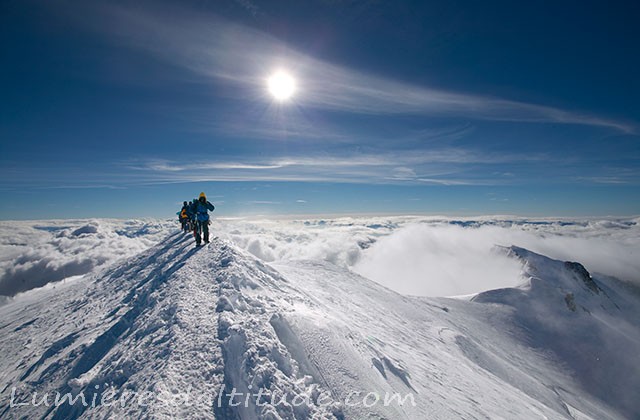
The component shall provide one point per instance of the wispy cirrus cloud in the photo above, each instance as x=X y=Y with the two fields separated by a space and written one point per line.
x=240 y=58
x=166 y=166
x=444 y=167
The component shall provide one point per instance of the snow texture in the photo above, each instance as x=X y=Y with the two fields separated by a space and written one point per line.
x=170 y=332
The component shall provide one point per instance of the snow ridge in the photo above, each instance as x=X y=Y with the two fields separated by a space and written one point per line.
x=213 y=332
x=258 y=356
x=173 y=324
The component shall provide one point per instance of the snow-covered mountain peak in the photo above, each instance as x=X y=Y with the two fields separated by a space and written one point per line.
x=541 y=266
x=589 y=324
x=213 y=332
x=547 y=277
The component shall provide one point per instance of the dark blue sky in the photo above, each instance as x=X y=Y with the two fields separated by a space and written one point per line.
x=124 y=109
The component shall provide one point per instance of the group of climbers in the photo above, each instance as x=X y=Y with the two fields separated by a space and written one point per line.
x=184 y=217
x=194 y=216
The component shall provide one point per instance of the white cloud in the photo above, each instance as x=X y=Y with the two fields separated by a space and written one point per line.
x=34 y=254
x=441 y=256
x=428 y=256
x=445 y=260
x=450 y=166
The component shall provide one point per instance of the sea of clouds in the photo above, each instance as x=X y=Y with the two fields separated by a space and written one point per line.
x=425 y=256
x=431 y=256
x=36 y=253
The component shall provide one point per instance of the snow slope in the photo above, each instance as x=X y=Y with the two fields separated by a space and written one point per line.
x=173 y=331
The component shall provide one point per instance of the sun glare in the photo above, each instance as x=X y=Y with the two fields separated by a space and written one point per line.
x=281 y=86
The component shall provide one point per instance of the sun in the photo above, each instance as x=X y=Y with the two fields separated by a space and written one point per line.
x=281 y=85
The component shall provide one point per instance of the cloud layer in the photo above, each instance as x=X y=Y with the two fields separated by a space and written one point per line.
x=425 y=256
x=440 y=256
x=451 y=166
x=33 y=254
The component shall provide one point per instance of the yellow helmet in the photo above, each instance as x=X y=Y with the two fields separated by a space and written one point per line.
x=202 y=195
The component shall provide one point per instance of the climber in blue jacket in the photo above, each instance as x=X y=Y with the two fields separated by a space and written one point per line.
x=201 y=210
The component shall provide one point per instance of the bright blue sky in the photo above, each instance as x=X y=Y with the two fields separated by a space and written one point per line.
x=126 y=109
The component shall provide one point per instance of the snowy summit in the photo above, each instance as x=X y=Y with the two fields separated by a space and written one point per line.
x=214 y=332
